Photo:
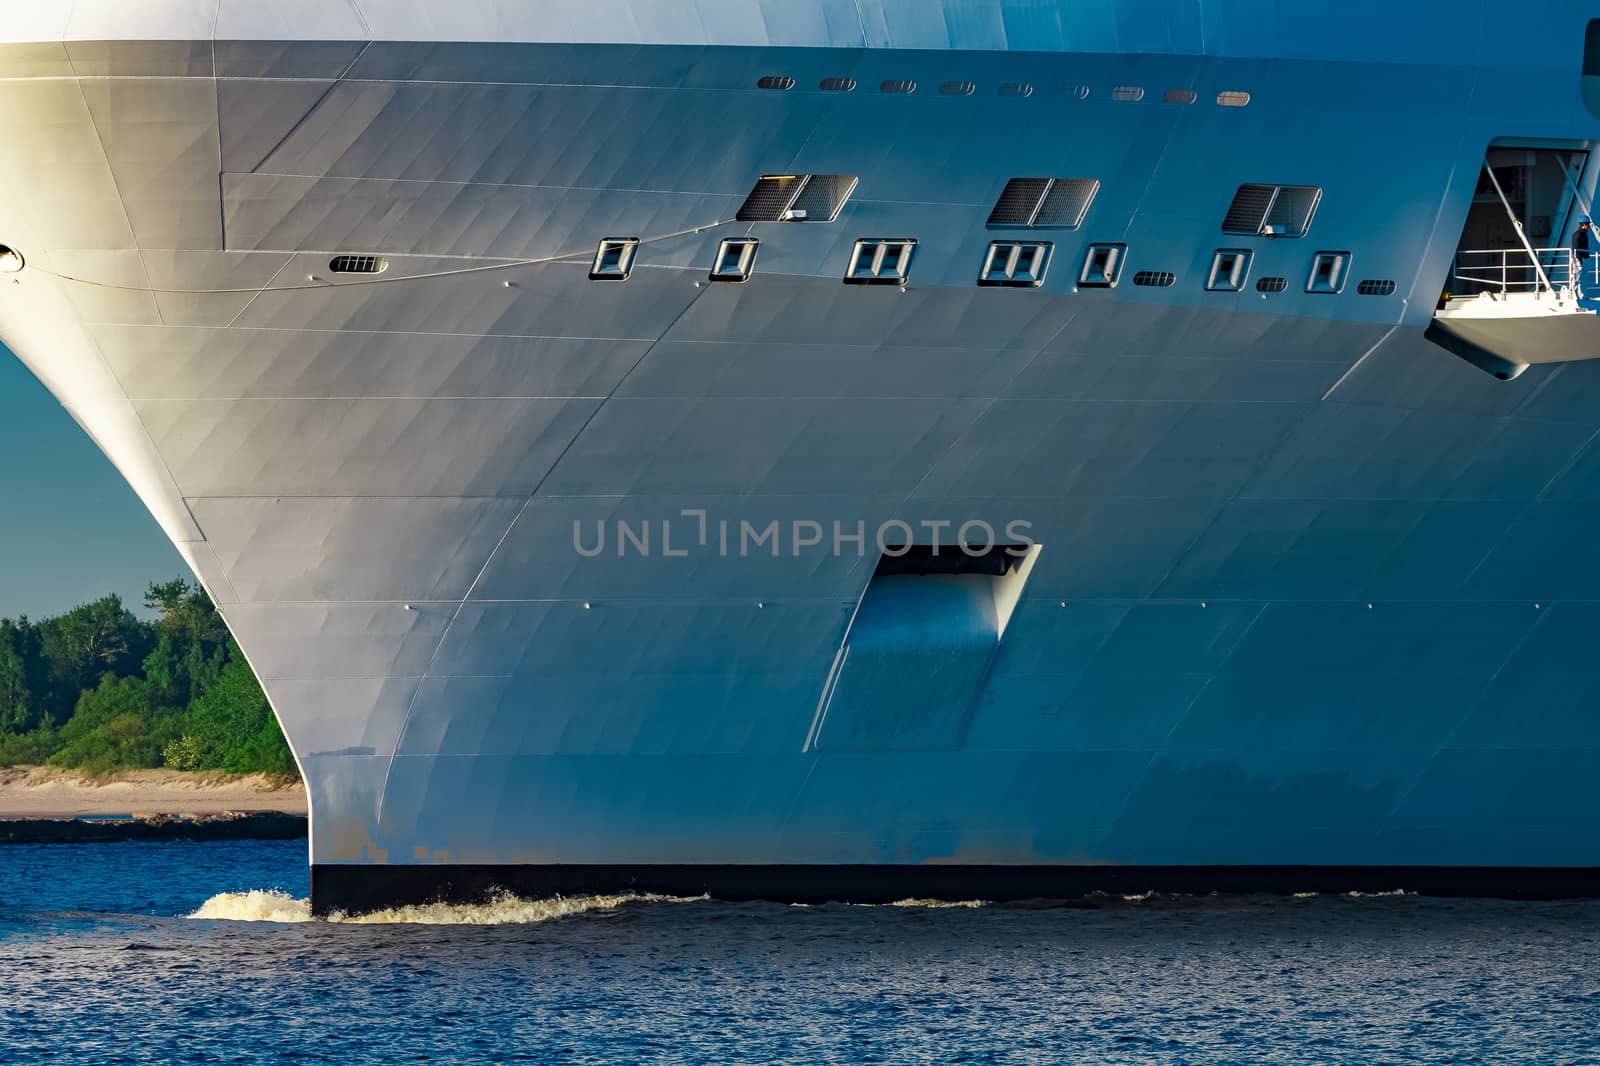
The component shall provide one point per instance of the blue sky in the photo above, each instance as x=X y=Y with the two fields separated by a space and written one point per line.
x=70 y=528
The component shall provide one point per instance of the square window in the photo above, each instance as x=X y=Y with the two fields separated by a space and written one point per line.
x=1102 y=266
x=613 y=260
x=1230 y=269
x=1328 y=272
x=736 y=259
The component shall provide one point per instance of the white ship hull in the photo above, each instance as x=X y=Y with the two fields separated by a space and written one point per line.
x=1311 y=597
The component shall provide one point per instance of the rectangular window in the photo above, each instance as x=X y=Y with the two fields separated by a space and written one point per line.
x=1328 y=272
x=736 y=259
x=881 y=261
x=1230 y=269
x=1044 y=203
x=1016 y=264
x=613 y=260
x=1272 y=210
x=1102 y=266
x=797 y=198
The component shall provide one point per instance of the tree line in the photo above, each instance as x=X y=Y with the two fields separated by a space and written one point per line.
x=99 y=689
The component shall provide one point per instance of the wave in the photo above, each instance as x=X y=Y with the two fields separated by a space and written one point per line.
x=501 y=909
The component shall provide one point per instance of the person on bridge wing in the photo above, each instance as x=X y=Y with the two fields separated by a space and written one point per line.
x=1585 y=247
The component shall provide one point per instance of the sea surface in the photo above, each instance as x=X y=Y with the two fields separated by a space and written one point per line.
x=200 y=953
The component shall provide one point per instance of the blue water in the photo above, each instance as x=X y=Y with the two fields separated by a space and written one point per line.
x=99 y=963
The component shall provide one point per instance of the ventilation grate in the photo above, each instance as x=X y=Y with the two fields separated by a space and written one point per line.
x=1233 y=99
x=1272 y=284
x=1376 y=287
x=822 y=197
x=780 y=82
x=838 y=85
x=1044 y=203
x=1180 y=96
x=1155 y=279
x=1129 y=93
x=958 y=88
x=1272 y=210
x=358 y=264
x=1066 y=203
x=770 y=198
x=1248 y=212
x=1016 y=264
x=897 y=85
x=1019 y=202
x=1016 y=89
x=1075 y=92
x=881 y=261
x=797 y=198
x=613 y=260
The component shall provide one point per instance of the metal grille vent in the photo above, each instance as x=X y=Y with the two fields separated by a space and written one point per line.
x=1019 y=202
x=1044 y=203
x=1376 y=287
x=1180 y=96
x=822 y=197
x=1130 y=93
x=1248 y=212
x=1233 y=99
x=958 y=88
x=1016 y=89
x=897 y=85
x=838 y=85
x=1155 y=279
x=780 y=82
x=1067 y=202
x=1272 y=210
x=1075 y=92
x=797 y=198
x=358 y=264
x=1272 y=284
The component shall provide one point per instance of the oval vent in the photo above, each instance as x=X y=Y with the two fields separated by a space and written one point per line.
x=358 y=264
x=775 y=81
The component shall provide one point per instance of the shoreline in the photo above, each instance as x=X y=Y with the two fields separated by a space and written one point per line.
x=34 y=793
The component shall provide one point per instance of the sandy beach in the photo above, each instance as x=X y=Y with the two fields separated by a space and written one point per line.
x=45 y=792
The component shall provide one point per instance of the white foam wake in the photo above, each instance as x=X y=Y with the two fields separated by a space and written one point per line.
x=504 y=909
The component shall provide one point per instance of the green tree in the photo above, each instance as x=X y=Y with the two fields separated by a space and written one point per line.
x=114 y=727
x=233 y=726
x=24 y=684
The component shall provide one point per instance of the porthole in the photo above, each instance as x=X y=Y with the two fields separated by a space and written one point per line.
x=11 y=260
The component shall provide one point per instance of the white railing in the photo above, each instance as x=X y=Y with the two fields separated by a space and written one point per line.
x=1506 y=270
